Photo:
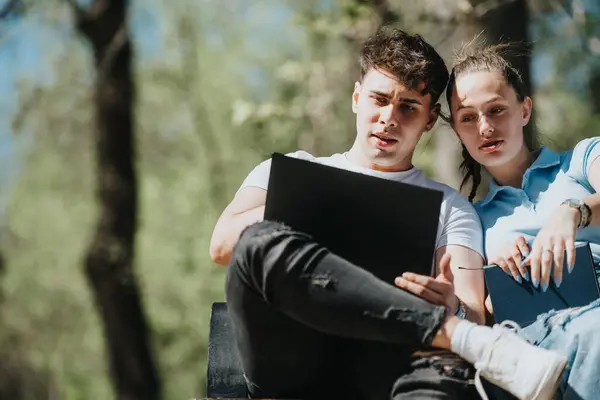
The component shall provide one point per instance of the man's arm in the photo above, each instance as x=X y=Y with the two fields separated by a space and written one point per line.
x=469 y=285
x=246 y=208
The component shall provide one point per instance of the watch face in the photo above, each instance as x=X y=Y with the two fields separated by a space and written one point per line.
x=574 y=202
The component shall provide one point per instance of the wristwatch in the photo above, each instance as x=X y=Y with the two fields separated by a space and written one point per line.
x=461 y=312
x=585 y=213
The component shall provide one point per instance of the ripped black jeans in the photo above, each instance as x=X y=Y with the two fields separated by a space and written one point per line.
x=311 y=325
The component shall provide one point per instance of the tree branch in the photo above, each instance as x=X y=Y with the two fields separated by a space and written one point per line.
x=80 y=13
x=9 y=7
x=96 y=10
x=482 y=9
x=116 y=44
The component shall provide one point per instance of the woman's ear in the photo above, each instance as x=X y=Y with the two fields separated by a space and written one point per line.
x=526 y=109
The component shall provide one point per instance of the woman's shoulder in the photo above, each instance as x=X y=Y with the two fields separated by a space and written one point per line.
x=576 y=162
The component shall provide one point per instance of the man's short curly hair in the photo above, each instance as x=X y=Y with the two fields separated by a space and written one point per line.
x=408 y=57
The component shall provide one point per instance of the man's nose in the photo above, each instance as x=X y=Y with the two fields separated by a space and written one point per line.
x=388 y=117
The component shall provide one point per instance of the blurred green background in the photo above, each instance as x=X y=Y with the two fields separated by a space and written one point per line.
x=221 y=84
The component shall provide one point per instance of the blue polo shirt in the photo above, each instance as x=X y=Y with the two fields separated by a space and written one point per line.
x=508 y=212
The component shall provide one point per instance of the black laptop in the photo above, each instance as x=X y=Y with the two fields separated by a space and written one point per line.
x=522 y=302
x=383 y=226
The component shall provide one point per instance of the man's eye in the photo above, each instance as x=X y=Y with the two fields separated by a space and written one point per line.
x=380 y=100
x=497 y=110
x=407 y=107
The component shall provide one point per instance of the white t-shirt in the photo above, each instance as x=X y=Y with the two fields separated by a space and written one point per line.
x=458 y=224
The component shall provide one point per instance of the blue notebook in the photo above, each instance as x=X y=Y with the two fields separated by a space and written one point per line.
x=522 y=302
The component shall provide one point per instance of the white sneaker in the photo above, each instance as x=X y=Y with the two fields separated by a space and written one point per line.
x=515 y=365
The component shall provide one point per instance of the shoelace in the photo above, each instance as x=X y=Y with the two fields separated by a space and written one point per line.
x=510 y=325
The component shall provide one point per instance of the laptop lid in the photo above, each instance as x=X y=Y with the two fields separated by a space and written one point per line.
x=522 y=302
x=383 y=226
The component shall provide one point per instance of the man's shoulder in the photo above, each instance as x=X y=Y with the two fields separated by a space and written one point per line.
x=302 y=155
x=450 y=194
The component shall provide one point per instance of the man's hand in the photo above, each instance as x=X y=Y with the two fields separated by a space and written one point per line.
x=439 y=290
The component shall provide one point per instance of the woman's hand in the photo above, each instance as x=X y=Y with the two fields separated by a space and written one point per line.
x=555 y=237
x=510 y=259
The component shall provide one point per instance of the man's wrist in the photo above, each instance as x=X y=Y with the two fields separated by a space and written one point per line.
x=461 y=309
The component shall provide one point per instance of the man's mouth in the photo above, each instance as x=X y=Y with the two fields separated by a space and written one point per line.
x=491 y=146
x=383 y=140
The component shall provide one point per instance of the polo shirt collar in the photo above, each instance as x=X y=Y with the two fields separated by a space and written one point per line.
x=546 y=158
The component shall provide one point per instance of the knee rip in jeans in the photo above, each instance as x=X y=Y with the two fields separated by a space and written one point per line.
x=323 y=281
x=399 y=314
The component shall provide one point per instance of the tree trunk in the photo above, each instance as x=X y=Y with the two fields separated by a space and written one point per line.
x=508 y=23
x=109 y=261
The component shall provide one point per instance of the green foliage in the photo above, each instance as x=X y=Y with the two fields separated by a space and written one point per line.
x=212 y=104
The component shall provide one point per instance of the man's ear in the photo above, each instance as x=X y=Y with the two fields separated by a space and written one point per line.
x=434 y=113
x=526 y=109
x=355 y=96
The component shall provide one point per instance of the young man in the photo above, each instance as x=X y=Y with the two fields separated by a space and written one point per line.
x=357 y=336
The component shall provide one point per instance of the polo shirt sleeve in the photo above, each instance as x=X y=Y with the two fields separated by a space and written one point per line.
x=259 y=176
x=462 y=225
x=584 y=155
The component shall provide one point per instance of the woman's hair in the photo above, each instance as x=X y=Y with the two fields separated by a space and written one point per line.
x=479 y=57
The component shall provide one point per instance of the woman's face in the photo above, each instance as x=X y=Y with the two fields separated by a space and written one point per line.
x=488 y=117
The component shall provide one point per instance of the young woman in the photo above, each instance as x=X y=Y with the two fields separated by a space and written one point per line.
x=536 y=196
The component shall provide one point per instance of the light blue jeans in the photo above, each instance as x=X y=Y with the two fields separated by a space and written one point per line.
x=575 y=333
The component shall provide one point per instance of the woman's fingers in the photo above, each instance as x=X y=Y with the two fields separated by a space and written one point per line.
x=514 y=269
x=546 y=268
x=522 y=252
x=559 y=257
x=570 y=250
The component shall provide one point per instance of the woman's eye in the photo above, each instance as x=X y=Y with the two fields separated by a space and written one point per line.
x=497 y=110
x=468 y=118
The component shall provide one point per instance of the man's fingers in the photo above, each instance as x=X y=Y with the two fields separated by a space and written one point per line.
x=420 y=291
x=445 y=270
x=426 y=281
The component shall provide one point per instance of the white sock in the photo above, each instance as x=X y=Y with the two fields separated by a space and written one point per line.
x=469 y=340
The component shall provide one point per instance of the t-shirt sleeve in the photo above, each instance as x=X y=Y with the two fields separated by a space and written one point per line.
x=462 y=226
x=584 y=155
x=259 y=176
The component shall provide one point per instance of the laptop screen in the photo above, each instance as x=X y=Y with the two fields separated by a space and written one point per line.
x=383 y=226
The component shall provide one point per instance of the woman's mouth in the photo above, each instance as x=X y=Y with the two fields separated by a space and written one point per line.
x=383 y=140
x=491 y=146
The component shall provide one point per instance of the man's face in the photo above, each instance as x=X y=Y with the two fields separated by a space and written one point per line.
x=390 y=119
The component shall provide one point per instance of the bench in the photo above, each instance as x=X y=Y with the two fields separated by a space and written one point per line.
x=224 y=376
